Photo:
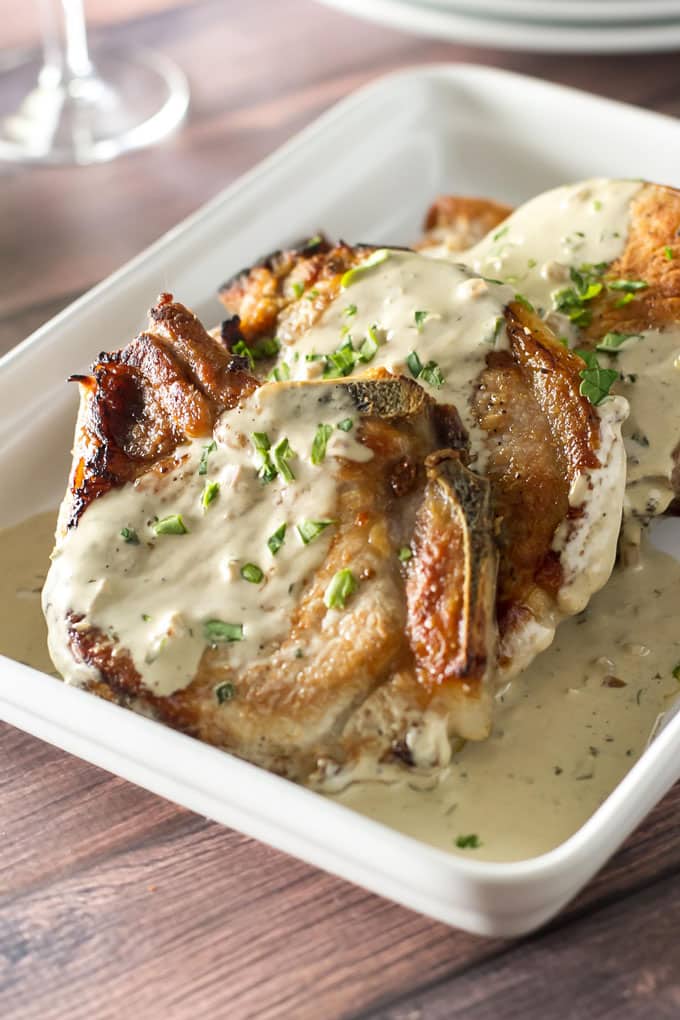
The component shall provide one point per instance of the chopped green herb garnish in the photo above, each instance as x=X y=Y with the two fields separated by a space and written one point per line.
x=469 y=842
x=524 y=302
x=571 y=301
x=343 y=585
x=251 y=572
x=597 y=205
x=375 y=259
x=260 y=441
x=625 y=300
x=431 y=373
x=531 y=264
x=172 y=525
x=596 y=382
x=368 y=349
x=420 y=318
x=415 y=365
x=224 y=692
x=611 y=342
x=276 y=539
x=350 y=311
x=311 y=294
x=267 y=347
x=341 y=362
x=499 y=322
x=676 y=672
x=280 y=373
x=282 y=453
x=268 y=471
x=668 y=252
x=130 y=536
x=628 y=285
x=146 y=617
x=207 y=450
x=405 y=553
x=210 y=493
x=218 y=632
x=243 y=351
x=322 y=435
x=298 y=288
x=500 y=233
x=309 y=530
x=345 y=425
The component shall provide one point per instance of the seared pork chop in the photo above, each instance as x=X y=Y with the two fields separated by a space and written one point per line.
x=302 y=579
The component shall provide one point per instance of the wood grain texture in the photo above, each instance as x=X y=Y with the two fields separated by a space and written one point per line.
x=116 y=903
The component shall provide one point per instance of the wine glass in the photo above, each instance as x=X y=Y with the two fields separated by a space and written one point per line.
x=82 y=104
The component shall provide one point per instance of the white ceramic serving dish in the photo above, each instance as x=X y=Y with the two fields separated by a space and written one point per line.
x=376 y=161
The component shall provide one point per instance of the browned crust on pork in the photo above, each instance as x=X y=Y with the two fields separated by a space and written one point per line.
x=459 y=221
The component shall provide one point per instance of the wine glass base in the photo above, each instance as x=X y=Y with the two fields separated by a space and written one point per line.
x=130 y=100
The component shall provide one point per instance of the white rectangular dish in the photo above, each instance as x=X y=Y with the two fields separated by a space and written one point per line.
x=378 y=159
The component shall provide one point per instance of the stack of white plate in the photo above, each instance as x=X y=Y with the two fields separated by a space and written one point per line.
x=566 y=26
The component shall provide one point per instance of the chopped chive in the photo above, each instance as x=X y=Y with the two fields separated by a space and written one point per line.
x=267 y=347
x=469 y=842
x=172 y=525
x=218 y=632
x=405 y=554
x=345 y=425
x=419 y=318
x=282 y=453
x=350 y=311
x=309 y=530
x=207 y=450
x=280 y=373
x=368 y=349
x=224 y=692
x=625 y=300
x=260 y=441
x=415 y=364
x=627 y=285
x=146 y=617
x=668 y=252
x=531 y=264
x=130 y=536
x=500 y=233
x=319 y=443
x=375 y=259
x=341 y=362
x=210 y=493
x=251 y=572
x=298 y=288
x=597 y=205
x=276 y=539
x=343 y=584
x=242 y=350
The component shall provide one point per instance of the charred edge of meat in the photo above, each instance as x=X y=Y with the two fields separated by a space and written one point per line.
x=230 y=332
x=319 y=244
x=452 y=581
x=388 y=398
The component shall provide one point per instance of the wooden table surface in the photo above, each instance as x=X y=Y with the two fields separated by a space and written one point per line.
x=117 y=903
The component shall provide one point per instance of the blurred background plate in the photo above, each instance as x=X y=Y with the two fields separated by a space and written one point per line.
x=421 y=18
x=607 y=12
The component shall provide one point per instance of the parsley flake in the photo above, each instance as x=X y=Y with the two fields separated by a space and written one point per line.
x=309 y=530
x=468 y=842
x=345 y=425
x=218 y=632
x=319 y=443
x=596 y=382
x=276 y=539
x=251 y=572
x=630 y=286
x=210 y=493
x=611 y=342
x=298 y=288
x=350 y=311
x=343 y=584
x=207 y=450
x=420 y=318
x=130 y=536
x=405 y=554
x=172 y=525
x=224 y=692
x=282 y=453
x=668 y=252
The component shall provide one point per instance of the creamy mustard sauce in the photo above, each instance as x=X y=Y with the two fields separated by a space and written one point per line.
x=24 y=558
x=566 y=731
x=156 y=592
x=534 y=251
x=435 y=309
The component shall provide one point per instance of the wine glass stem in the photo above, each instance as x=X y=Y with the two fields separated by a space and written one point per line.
x=65 y=41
